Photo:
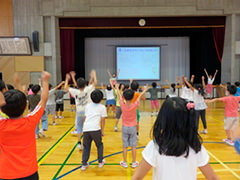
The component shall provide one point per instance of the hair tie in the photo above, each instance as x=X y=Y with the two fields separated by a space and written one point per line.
x=190 y=105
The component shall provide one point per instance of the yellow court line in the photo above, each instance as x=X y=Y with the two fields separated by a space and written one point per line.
x=224 y=165
x=216 y=120
x=40 y=162
x=219 y=170
x=128 y=168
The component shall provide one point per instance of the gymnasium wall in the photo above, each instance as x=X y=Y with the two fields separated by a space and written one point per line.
x=6 y=29
x=42 y=15
x=100 y=55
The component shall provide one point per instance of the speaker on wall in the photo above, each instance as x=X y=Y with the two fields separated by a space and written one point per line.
x=35 y=41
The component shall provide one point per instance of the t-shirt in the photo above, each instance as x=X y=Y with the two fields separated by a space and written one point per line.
x=109 y=94
x=198 y=101
x=94 y=112
x=59 y=96
x=129 y=113
x=187 y=93
x=172 y=167
x=135 y=96
x=33 y=100
x=51 y=97
x=153 y=93
x=114 y=80
x=172 y=93
x=18 y=157
x=117 y=98
x=238 y=92
x=231 y=105
x=210 y=81
x=82 y=98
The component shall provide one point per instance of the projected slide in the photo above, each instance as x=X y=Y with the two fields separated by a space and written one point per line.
x=138 y=62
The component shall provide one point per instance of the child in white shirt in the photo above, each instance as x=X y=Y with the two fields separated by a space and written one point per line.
x=95 y=114
x=176 y=150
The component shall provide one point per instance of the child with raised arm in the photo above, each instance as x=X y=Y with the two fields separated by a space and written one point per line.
x=93 y=128
x=210 y=83
x=51 y=104
x=186 y=91
x=172 y=90
x=82 y=98
x=231 y=119
x=59 y=93
x=176 y=151
x=18 y=158
x=118 y=108
x=110 y=99
x=113 y=77
x=200 y=105
x=154 y=97
x=129 y=124
x=33 y=101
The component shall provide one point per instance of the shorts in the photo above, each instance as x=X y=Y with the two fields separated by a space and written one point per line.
x=230 y=123
x=111 y=102
x=50 y=109
x=154 y=103
x=118 y=112
x=72 y=101
x=129 y=136
x=138 y=116
x=59 y=107
x=79 y=122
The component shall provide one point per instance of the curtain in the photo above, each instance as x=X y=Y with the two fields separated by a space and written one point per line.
x=218 y=38
x=67 y=51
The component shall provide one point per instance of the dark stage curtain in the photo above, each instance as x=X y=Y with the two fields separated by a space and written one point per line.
x=67 y=51
x=218 y=38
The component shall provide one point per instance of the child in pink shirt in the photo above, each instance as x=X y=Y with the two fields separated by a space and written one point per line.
x=129 y=124
x=231 y=112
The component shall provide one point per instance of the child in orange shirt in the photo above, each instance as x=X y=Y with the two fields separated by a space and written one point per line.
x=18 y=158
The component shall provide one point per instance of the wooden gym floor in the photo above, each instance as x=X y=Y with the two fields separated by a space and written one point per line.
x=59 y=158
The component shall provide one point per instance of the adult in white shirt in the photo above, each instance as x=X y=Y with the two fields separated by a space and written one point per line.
x=175 y=151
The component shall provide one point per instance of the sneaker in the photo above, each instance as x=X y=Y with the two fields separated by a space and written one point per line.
x=79 y=146
x=74 y=132
x=115 y=129
x=100 y=165
x=204 y=131
x=229 y=142
x=124 y=164
x=54 y=123
x=135 y=164
x=60 y=117
x=36 y=136
x=42 y=133
x=152 y=114
x=56 y=117
x=84 y=167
